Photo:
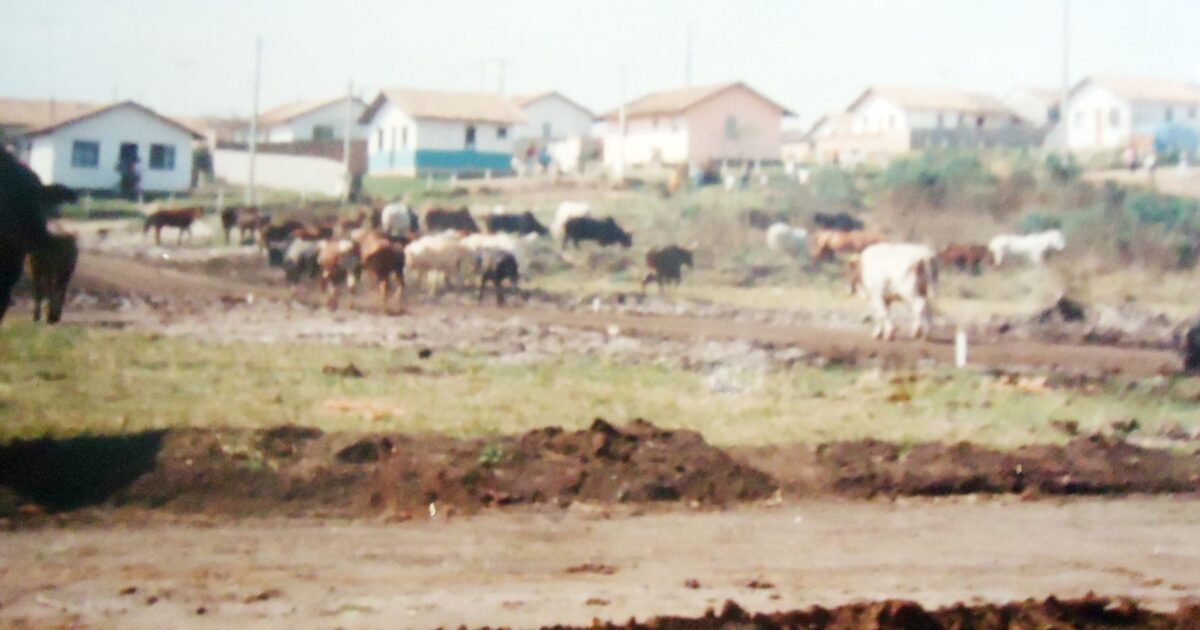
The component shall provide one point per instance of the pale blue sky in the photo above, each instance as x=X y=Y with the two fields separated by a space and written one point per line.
x=191 y=57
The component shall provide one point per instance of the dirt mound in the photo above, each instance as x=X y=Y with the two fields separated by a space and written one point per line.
x=1088 y=612
x=1085 y=465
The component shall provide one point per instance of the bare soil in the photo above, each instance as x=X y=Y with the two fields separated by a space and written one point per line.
x=513 y=567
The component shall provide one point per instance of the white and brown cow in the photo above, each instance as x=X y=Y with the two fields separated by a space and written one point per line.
x=897 y=272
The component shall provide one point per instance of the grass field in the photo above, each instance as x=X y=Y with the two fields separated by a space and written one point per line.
x=65 y=381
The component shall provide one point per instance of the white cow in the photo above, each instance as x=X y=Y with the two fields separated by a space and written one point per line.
x=786 y=239
x=1034 y=247
x=892 y=272
x=568 y=210
x=442 y=253
x=398 y=220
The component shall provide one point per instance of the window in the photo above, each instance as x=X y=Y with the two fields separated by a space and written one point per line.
x=162 y=157
x=962 y=120
x=501 y=132
x=85 y=154
x=404 y=137
x=469 y=139
x=1170 y=115
x=979 y=122
x=393 y=145
x=379 y=140
x=941 y=121
x=546 y=131
x=322 y=132
x=731 y=130
x=1114 y=117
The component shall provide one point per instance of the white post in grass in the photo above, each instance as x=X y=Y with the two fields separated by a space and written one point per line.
x=960 y=348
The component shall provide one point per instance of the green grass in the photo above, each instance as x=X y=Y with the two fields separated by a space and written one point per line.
x=65 y=381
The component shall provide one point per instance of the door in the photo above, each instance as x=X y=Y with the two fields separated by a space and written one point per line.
x=129 y=153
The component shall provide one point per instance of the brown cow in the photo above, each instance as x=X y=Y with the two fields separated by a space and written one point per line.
x=383 y=261
x=968 y=256
x=339 y=262
x=51 y=266
x=181 y=218
x=823 y=244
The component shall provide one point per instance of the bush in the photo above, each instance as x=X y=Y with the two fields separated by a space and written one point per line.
x=935 y=178
x=1039 y=222
x=832 y=186
x=1172 y=213
x=1062 y=172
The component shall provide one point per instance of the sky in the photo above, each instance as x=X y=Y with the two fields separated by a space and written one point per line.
x=196 y=57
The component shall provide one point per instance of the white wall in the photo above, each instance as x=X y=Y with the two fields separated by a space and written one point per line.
x=565 y=120
x=1029 y=106
x=450 y=135
x=284 y=172
x=880 y=114
x=1093 y=103
x=387 y=119
x=668 y=139
x=51 y=154
x=301 y=127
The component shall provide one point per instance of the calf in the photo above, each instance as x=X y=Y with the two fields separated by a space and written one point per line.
x=515 y=223
x=25 y=204
x=51 y=266
x=181 y=218
x=442 y=253
x=299 y=260
x=896 y=272
x=666 y=265
x=340 y=263
x=496 y=266
x=246 y=219
x=964 y=257
x=605 y=232
x=439 y=220
x=839 y=221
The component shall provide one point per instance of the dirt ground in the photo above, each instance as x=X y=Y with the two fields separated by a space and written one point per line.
x=531 y=568
x=180 y=291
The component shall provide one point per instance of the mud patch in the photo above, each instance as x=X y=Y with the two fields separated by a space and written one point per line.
x=1088 y=612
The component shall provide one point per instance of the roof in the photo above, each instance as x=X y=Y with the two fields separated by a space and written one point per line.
x=96 y=111
x=468 y=106
x=680 y=100
x=938 y=99
x=37 y=113
x=524 y=100
x=1145 y=88
x=290 y=111
x=224 y=128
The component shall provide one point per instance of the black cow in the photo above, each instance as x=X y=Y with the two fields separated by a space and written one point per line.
x=495 y=266
x=51 y=267
x=516 y=223
x=246 y=219
x=440 y=219
x=25 y=204
x=840 y=221
x=604 y=231
x=1191 y=350
x=666 y=264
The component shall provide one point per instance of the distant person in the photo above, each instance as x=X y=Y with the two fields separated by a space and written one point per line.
x=1130 y=158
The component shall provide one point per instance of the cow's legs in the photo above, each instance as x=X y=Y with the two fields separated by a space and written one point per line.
x=883 y=324
x=922 y=318
x=10 y=272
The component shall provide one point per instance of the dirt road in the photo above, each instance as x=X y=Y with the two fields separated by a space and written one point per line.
x=513 y=567
x=141 y=278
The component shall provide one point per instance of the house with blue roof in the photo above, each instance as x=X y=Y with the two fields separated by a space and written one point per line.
x=418 y=132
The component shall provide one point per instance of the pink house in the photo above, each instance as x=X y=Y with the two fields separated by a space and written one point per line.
x=695 y=126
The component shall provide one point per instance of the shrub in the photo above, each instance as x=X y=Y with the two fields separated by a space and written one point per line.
x=833 y=186
x=1062 y=172
x=1172 y=213
x=1039 y=222
x=935 y=178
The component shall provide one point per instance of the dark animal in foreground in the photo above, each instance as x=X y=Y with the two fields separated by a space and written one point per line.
x=666 y=265
x=516 y=223
x=604 y=231
x=51 y=266
x=1191 y=350
x=25 y=203
x=495 y=266
x=181 y=218
x=839 y=221
x=439 y=220
x=965 y=257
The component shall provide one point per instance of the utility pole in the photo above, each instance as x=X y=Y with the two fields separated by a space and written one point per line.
x=1063 y=120
x=687 y=75
x=503 y=68
x=621 y=126
x=346 y=138
x=251 y=198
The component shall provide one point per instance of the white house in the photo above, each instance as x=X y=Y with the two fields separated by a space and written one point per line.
x=311 y=121
x=83 y=151
x=905 y=118
x=1107 y=113
x=696 y=126
x=412 y=132
x=550 y=116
